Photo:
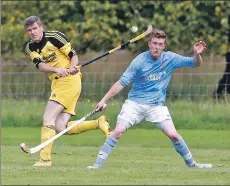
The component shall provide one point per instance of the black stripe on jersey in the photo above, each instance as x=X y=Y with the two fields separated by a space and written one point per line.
x=72 y=50
x=71 y=54
x=58 y=39
x=36 y=61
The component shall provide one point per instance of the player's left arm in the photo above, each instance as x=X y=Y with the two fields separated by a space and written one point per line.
x=198 y=49
x=74 y=61
x=64 y=45
x=73 y=66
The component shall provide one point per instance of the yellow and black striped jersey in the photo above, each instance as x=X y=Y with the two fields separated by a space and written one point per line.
x=53 y=49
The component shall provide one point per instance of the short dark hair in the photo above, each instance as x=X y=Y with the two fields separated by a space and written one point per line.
x=157 y=34
x=31 y=20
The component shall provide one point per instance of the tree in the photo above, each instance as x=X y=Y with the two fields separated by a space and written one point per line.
x=102 y=25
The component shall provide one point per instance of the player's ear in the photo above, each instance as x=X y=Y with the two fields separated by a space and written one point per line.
x=165 y=45
x=41 y=27
x=149 y=43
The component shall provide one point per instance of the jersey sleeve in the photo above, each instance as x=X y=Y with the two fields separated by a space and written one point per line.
x=35 y=56
x=130 y=73
x=179 y=61
x=60 y=41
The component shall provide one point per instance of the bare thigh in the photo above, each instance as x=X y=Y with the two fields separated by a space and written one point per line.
x=169 y=129
x=52 y=110
x=61 y=121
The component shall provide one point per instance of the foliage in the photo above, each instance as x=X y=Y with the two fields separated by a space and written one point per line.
x=102 y=25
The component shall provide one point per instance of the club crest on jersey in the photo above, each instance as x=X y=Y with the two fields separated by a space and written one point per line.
x=50 y=57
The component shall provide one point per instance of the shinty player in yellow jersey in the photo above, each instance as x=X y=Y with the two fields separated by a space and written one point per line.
x=51 y=52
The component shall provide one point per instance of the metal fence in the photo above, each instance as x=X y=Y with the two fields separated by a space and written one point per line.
x=22 y=80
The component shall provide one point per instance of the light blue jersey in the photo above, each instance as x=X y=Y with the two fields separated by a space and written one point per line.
x=151 y=77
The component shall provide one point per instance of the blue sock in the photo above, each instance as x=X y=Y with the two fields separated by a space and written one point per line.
x=108 y=146
x=183 y=150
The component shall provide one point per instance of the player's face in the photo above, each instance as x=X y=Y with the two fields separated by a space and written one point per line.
x=156 y=46
x=35 y=31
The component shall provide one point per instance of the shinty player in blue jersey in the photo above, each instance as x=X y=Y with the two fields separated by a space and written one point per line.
x=150 y=73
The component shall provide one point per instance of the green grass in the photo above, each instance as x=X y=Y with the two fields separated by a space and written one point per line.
x=142 y=157
x=185 y=114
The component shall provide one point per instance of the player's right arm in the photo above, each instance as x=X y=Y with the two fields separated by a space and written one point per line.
x=114 y=90
x=62 y=72
x=198 y=49
x=126 y=78
x=43 y=67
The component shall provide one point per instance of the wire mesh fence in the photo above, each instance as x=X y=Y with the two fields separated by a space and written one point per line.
x=21 y=80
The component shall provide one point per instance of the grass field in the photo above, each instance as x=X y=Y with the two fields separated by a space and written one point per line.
x=142 y=157
x=185 y=114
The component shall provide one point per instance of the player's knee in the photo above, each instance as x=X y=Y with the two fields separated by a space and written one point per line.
x=61 y=123
x=117 y=134
x=118 y=131
x=120 y=128
x=59 y=128
x=174 y=136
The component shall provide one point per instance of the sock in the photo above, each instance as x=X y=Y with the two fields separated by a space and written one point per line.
x=82 y=127
x=183 y=150
x=108 y=146
x=47 y=132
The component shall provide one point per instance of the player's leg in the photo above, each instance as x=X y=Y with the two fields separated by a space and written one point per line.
x=61 y=121
x=52 y=109
x=179 y=144
x=110 y=144
x=69 y=96
x=130 y=114
x=101 y=122
x=177 y=141
x=161 y=116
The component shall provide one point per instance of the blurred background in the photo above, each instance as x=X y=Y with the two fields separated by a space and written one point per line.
x=94 y=27
x=198 y=99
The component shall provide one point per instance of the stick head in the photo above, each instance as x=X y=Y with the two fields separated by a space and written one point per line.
x=149 y=30
x=24 y=148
